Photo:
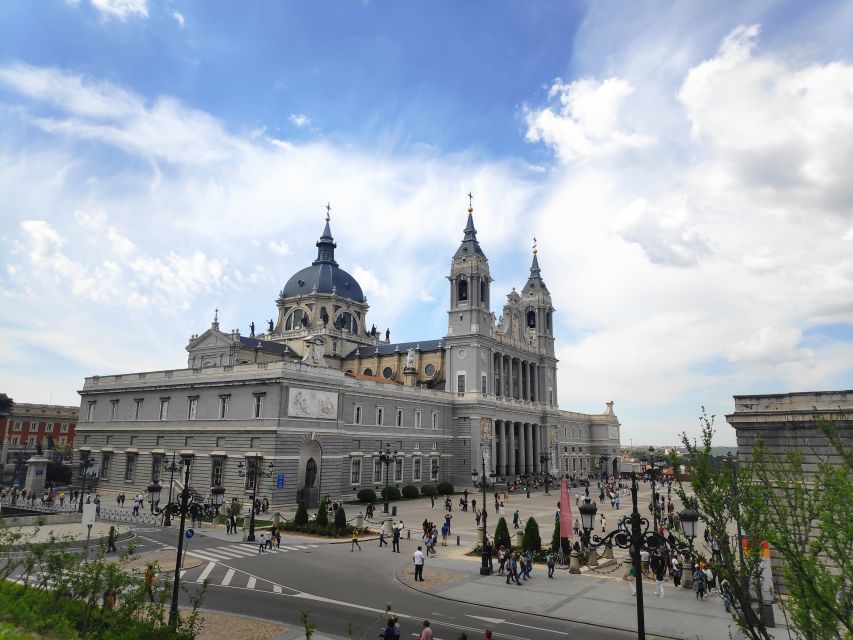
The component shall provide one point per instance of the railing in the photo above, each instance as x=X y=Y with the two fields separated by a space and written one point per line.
x=115 y=514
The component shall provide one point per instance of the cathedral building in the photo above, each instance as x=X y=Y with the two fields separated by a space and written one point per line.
x=321 y=394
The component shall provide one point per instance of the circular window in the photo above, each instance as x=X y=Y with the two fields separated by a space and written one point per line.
x=429 y=370
x=461 y=353
x=388 y=372
x=368 y=372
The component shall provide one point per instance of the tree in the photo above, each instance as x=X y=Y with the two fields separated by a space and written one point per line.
x=531 y=539
x=301 y=513
x=340 y=518
x=555 y=539
x=805 y=516
x=322 y=518
x=502 y=534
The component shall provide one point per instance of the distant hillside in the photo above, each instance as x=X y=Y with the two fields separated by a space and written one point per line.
x=723 y=451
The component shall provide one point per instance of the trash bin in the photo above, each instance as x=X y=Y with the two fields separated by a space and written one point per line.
x=359 y=521
x=393 y=511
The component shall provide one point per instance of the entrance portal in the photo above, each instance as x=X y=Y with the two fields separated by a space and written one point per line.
x=309 y=480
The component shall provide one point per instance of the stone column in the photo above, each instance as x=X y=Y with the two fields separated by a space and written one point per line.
x=534 y=387
x=511 y=471
x=501 y=429
x=522 y=448
x=537 y=448
x=497 y=374
x=493 y=461
x=528 y=438
x=523 y=379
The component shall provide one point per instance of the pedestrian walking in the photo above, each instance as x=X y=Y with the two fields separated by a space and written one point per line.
x=515 y=519
x=676 y=572
x=262 y=543
x=111 y=540
x=447 y=518
x=149 y=579
x=477 y=517
x=426 y=633
x=389 y=630
x=501 y=560
x=603 y=523
x=395 y=539
x=699 y=582
x=432 y=502
x=354 y=540
x=631 y=577
x=382 y=537
x=512 y=569
x=418 y=559
x=658 y=567
x=396 y=626
x=445 y=530
x=551 y=561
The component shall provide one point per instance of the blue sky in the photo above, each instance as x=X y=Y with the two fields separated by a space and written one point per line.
x=683 y=166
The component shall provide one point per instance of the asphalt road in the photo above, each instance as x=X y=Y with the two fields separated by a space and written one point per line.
x=340 y=588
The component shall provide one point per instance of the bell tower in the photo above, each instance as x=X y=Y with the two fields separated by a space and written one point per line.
x=470 y=284
x=538 y=310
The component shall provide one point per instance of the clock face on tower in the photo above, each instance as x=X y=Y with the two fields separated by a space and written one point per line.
x=613 y=432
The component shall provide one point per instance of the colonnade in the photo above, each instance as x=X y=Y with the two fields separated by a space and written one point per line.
x=517 y=378
x=517 y=446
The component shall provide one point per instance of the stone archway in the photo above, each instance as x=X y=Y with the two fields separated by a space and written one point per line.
x=616 y=466
x=309 y=474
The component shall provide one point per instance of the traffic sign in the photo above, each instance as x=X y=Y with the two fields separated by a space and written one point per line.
x=279 y=482
x=189 y=533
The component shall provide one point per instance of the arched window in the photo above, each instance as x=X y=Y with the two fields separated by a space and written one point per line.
x=295 y=320
x=548 y=321
x=483 y=299
x=531 y=319
x=462 y=290
x=347 y=321
x=368 y=372
x=388 y=372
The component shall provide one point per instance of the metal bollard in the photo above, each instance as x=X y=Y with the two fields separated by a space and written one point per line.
x=408 y=534
x=457 y=541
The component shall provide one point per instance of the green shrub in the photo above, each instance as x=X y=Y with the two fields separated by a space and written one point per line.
x=301 y=513
x=531 y=538
x=322 y=518
x=391 y=493
x=428 y=490
x=366 y=495
x=445 y=488
x=502 y=534
x=555 y=539
x=410 y=491
x=340 y=518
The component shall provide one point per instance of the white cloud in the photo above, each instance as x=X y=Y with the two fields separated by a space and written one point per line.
x=121 y=9
x=279 y=248
x=770 y=345
x=586 y=123
x=179 y=18
x=298 y=120
x=370 y=284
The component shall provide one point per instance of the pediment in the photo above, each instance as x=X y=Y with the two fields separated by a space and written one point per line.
x=210 y=339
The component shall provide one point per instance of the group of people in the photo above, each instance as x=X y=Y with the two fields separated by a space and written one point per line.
x=392 y=631
x=396 y=532
x=266 y=540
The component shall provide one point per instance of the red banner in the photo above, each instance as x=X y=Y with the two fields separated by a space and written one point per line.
x=565 y=511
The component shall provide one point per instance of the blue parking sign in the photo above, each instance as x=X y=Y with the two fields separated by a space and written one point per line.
x=189 y=533
x=279 y=481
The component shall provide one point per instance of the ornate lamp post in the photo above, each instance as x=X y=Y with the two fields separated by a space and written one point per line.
x=652 y=459
x=253 y=471
x=171 y=467
x=632 y=534
x=386 y=458
x=485 y=567
x=689 y=518
x=86 y=463
x=217 y=497
x=603 y=460
x=181 y=508
x=544 y=457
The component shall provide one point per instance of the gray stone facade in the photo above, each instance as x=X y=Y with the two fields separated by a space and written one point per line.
x=319 y=395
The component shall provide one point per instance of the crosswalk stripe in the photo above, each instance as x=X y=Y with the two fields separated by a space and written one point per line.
x=227 y=579
x=203 y=556
x=225 y=553
x=276 y=588
x=251 y=583
x=206 y=572
x=238 y=550
x=290 y=548
x=183 y=573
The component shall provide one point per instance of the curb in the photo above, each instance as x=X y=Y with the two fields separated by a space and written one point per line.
x=541 y=615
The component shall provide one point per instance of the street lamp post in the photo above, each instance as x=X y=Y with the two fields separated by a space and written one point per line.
x=485 y=567
x=654 y=493
x=253 y=471
x=604 y=459
x=689 y=518
x=171 y=467
x=182 y=508
x=632 y=534
x=386 y=458
x=86 y=463
x=544 y=457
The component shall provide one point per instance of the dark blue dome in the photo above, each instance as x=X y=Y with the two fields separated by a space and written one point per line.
x=324 y=274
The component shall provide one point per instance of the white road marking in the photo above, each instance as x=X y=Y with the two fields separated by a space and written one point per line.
x=489 y=620
x=527 y=626
x=206 y=572
x=276 y=588
x=251 y=583
x=227 y=579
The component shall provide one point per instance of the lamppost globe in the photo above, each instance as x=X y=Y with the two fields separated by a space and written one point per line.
x=217 y=496
x=588 y=509
x=689 y=518
x=154 y=489
x=474 y=476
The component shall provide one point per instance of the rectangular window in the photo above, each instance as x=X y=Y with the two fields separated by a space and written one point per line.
x=355 y=471
x=192 y=408
x=483 y=387
x=217 y=465
x=377 y=471
x=48 y=427
x=433 y=468
x=15 y=441
x=551 y=396
x=416 y=469
x=460 y=384
x=156 y=467
x=398 y=470
x=258 y=406
x=137 y=409
x=129 y=467
x=220 y=442
x=223 y=407
x=434 y=446
x=399 y=418
x=113 y=410
x=63 y=429
x=188 y=442
x=33 y=426
x=31 y=440
x=254 y=443
x=416 y=446
x=17 y=427
x=164 y=408
x=435 y=419
x=380 y=415
x=251 y=465
x=106 y=459
x=356 y=414
x=417 y=420
x=90 y=414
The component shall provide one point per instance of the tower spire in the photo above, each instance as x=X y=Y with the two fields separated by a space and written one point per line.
x=326 y=244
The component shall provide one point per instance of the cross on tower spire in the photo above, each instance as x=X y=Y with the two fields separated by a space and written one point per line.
x=328 y=211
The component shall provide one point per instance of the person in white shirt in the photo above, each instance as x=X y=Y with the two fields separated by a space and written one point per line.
x=262 y=542
x=418 y=559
